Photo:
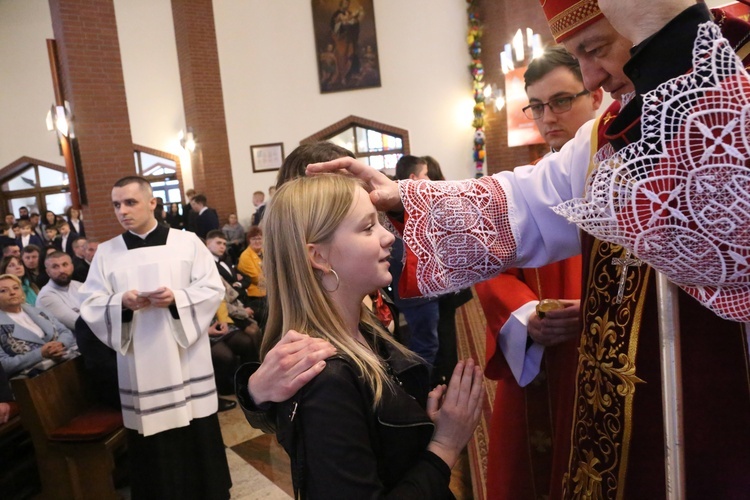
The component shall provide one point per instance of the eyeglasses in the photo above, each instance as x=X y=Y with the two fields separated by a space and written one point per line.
x=557 y=105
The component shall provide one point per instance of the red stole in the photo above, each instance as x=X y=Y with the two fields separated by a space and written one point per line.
x=528 y=423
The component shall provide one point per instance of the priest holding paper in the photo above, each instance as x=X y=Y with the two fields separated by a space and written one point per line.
x=150 y=295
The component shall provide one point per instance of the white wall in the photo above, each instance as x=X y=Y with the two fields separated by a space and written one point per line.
x=270 y=80
x=271 y=93
x=269 y=76
x=26 y=91
x=152 y=76
x=151 y=71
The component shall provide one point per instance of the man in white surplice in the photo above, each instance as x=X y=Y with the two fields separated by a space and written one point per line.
x=150 y=295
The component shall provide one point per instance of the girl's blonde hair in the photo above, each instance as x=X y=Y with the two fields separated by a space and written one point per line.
x=304 y=211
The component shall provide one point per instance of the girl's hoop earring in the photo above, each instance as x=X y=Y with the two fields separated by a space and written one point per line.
x=338 y=282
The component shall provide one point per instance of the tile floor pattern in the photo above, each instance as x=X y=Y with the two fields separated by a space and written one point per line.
x=260 y=467
x=254 y=460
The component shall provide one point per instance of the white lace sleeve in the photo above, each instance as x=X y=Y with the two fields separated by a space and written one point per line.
x=458 y=230
x=679 y=198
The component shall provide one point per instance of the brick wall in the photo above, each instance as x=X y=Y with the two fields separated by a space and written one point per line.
x=203 y=99
x=501 y=19
x=89 y=54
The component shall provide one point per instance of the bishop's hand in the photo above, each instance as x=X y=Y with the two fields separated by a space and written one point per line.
x=384 y=192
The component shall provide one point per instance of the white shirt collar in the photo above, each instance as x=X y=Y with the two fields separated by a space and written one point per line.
x=144 y=235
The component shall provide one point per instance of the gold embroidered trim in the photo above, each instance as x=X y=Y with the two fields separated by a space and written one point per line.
x=605 y=379
x=632 y=353
x=572 y=17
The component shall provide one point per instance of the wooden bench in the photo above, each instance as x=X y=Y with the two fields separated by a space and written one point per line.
x=75 y=440
x=18 y=474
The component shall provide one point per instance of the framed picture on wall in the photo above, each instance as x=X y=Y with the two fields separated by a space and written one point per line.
x=346 y=45
x=267 y=157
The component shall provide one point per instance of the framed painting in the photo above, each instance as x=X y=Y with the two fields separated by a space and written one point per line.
x=267 y=157
x=346 y=45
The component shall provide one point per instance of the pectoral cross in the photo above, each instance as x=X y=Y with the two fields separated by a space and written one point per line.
x=624 y=264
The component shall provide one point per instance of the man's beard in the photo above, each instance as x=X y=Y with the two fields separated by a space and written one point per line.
x=63 y=280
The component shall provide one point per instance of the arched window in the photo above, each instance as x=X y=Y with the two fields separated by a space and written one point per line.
x=377 y=144
x=162 y=171
x=41 y=186
x=34 y=184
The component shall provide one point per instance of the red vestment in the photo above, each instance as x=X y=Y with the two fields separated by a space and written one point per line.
x=528 y=423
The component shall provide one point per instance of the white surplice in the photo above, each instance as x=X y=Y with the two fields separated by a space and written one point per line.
x=164 y=365
x=466 y=231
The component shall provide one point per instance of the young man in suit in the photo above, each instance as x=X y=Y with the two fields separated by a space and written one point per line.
x=216 y=241
x=207 y=219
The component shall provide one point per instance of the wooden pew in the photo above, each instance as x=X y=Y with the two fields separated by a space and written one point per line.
x=18 y=474
x=75 y=440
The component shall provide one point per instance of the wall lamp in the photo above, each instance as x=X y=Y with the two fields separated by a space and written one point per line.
x=59 y=119
x=515 y=52
x=187 y=140
x=494 y=95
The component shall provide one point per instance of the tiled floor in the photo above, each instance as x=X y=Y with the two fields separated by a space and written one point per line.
x=260 y=467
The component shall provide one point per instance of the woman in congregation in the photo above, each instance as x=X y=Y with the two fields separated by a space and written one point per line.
x=235 y=234
x=250 y=264
x=28 y=335
x=73 y=216
x=14 y=265
x=367 y=426
x=49 y=221
x=173 y=217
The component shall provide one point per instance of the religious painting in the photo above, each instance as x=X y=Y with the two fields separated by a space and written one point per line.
x=521 y=130
x=267 y=157
x=346 y=45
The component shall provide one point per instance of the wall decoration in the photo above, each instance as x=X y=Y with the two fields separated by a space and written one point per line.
x=346 y=45
x=476 y=68
x=267 y=157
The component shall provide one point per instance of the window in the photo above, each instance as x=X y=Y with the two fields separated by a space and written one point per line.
x=27 y=183
x=160 y=169
x=377 y=144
